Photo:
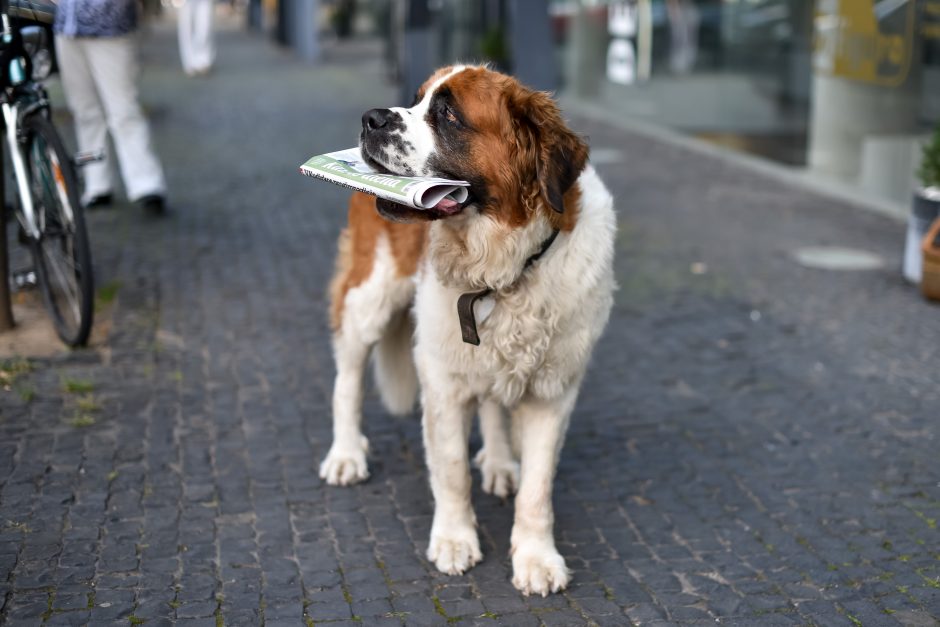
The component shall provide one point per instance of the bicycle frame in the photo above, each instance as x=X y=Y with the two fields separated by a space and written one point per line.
x=21 y=97
x=27 y=213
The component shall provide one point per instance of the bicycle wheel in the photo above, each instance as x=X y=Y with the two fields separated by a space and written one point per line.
x=61 y=254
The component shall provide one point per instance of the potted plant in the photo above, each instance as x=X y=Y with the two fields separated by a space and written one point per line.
x=925 y=209
x=344 y=15
x=493 y=48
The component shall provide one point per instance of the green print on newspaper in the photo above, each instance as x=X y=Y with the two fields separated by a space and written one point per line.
x=343 y=169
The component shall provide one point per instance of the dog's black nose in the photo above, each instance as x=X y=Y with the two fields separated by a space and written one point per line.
x=375 y=118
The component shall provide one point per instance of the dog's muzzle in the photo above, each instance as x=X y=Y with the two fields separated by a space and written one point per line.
x=381 y=131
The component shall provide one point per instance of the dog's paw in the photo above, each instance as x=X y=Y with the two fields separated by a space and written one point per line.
x=455 y=551
x=538 y=568
x=500 y=474
x=346 y=465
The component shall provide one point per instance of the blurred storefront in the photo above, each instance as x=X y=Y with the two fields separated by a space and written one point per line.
x=845 y=88
x=732 y=72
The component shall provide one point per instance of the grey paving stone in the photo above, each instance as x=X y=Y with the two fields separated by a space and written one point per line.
x=21 y=622
x=521 y=619
x=101 y=614
x=644 y=613
x=504 y=605
x=463 y=607
x=71 y=601
x=68 y=618
x=599 y=607
x=416 y=604
x=195 y=622
x=335 y=610
x=371 y=609
x=562 y=618
x=196 y=609
x=241 y=617
x=283 y=612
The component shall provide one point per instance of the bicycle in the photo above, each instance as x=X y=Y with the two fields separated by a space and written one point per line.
x=47 y=203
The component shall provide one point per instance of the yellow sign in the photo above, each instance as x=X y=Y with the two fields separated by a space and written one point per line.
x=865 y=40
x=931 y=26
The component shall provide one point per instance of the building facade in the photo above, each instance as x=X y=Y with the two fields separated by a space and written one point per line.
x=843 y=88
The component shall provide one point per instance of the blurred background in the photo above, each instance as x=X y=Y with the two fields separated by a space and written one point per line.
x=756 y=440
x=843 y=88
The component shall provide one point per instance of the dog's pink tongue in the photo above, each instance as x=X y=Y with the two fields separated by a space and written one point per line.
x=447 y=205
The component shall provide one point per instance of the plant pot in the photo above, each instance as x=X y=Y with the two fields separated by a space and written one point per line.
x=930 y=249
x=925 y=209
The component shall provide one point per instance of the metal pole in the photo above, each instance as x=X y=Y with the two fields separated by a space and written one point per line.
x=417 y=57
x=533 y=52
x=6 y=309
x=304 y=37
x=282 y=28
x=253 y=15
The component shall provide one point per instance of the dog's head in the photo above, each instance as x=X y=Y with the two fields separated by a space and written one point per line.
x=474 y=124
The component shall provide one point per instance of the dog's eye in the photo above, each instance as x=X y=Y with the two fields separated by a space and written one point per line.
x=450 y=116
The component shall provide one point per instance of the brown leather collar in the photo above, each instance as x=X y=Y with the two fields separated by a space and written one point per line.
x=468 y=323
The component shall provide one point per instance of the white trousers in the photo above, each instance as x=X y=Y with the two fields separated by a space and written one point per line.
x=195 y=35
x=99 y=77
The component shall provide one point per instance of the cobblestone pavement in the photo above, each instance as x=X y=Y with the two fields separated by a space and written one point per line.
x=756 y=442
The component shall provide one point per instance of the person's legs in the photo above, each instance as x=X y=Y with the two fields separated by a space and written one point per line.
x=185 y=35
x=113 y=63
x=195 y=35
x=85 y=106
x=204 y=52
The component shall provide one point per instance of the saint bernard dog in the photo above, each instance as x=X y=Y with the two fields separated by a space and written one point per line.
x=493 y=304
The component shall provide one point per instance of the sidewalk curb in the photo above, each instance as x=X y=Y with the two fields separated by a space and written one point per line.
x=789 y=175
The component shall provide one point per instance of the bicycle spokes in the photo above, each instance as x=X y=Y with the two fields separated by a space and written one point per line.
x=60 y=186
x=63 y=270
x=49 y=188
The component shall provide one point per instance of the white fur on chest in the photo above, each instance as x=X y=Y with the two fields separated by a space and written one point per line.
x=537 y=338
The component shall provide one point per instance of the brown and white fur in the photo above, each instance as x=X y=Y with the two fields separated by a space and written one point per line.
x=529 y=175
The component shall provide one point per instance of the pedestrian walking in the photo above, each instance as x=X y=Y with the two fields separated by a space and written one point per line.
x=96 y=48
x=197 y=51
x=684 y=21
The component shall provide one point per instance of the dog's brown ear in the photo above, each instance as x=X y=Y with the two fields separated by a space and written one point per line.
x=560 y=154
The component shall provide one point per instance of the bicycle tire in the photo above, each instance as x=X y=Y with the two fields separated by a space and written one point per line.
x=61 y=253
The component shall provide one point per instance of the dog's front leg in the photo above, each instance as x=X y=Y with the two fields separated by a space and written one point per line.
x=345 y=463
x=454 y=546
x=537 y=566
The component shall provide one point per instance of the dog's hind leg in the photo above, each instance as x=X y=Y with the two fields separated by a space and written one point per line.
x=394 y=365
x=498 y=467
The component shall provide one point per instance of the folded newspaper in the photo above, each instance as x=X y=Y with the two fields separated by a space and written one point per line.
x=347 y=168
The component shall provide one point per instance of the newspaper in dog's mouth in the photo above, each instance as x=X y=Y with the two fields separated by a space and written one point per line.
x=348 y=169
